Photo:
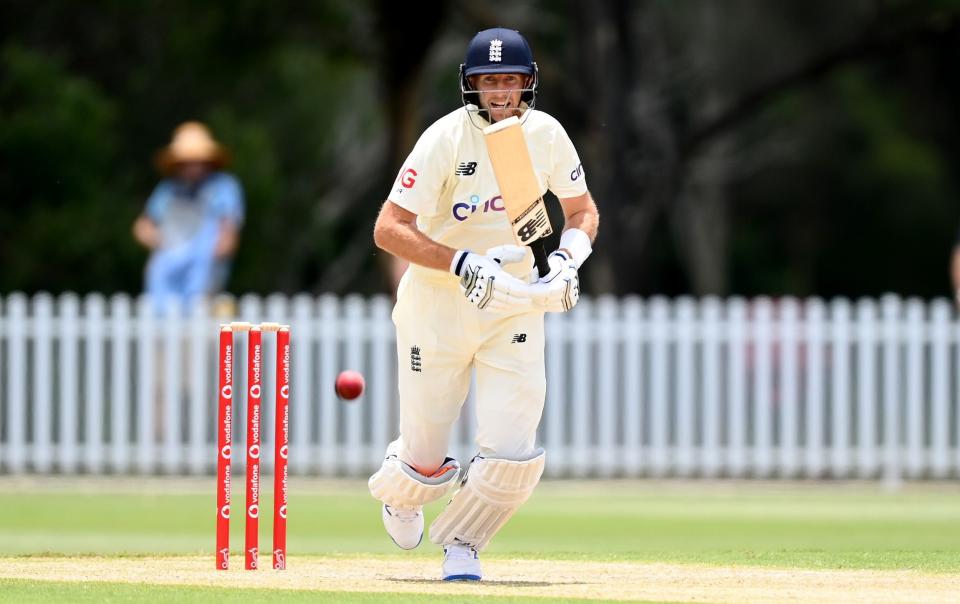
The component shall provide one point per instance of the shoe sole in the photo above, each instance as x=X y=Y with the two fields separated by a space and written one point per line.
x=419 y=541
x=462 y=578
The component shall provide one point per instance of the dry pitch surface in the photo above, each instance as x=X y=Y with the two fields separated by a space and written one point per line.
x=504 y=577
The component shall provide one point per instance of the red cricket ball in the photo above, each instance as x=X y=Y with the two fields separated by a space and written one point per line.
x=349 y=385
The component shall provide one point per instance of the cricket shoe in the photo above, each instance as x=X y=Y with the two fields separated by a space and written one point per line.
x=405 y=526
x=461 y=563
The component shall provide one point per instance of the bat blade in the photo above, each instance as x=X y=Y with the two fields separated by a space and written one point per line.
x=519 y=187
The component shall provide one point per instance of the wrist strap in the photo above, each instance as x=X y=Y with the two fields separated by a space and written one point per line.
x=577 y=243
x=456 y=266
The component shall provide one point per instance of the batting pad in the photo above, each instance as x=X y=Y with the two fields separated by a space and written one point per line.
x=492 y=491
x=400 y=486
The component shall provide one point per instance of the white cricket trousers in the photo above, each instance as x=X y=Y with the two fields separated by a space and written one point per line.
x=440 y=337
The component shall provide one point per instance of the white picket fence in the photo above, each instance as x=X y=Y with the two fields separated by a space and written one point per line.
x=636 y=387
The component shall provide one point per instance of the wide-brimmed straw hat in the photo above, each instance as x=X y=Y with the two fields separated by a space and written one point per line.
x=191 y=141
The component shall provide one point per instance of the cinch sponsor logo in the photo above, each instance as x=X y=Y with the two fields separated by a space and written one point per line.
x=577 y=172
x=407 y=179
x=463 y=210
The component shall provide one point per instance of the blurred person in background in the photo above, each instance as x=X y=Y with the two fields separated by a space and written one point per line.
x=191 y=223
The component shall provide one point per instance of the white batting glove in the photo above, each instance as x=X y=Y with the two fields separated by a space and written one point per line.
x=559 y=290
x=486 y=285
x=507 y=254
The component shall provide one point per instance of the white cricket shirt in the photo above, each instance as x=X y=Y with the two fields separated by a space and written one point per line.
x=448 y=182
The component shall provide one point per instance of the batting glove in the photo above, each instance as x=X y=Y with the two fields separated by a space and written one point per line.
x=486 y=285
x=559 y=290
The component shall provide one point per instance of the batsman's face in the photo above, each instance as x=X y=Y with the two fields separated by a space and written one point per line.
x=500 y=93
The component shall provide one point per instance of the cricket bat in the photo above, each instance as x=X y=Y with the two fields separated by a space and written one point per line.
x=519 y=187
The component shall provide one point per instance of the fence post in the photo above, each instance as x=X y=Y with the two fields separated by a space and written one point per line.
x=16 y=332
x=711 y=455
x=737 y=411
x=940 y=388
x=94 y=336
x=841 y=395
x=685 y=384
x=607 y=462
x=121 y=401
x=659 y=386
x=914 y=419
x=788 y=402
x=814 y=441
x=866 y=387
x=42 y=324
x=634 y=373
x=762 y=388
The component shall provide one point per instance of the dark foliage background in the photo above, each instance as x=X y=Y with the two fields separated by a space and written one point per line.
x=743 y=146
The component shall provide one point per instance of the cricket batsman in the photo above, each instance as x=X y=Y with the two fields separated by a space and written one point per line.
x=471 y=300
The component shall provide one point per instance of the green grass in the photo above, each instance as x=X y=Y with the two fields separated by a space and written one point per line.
x=38 y=592
x=790 y=525
x=809 y=526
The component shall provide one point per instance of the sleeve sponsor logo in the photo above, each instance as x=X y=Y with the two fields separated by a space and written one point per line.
x=577 y=172
x=408 y=178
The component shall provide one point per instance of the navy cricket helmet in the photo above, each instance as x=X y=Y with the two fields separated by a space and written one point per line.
x=498 y=50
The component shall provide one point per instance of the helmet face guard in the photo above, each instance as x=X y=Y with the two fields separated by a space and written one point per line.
x=498 y=50
x=470 y=96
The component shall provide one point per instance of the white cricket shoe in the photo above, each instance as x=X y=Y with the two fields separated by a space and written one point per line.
x=405 y=527
x=461 y=563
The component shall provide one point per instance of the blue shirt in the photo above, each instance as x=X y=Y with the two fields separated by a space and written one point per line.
x=191 y=215
x=189 y=218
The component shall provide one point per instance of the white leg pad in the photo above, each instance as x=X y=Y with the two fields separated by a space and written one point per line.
x=400 y=486
x=492 y=491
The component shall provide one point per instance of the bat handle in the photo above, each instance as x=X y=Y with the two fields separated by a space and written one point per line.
x=540 y=257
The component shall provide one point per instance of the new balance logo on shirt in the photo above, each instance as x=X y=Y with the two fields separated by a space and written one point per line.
x=519 y=338
x=466 y=168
